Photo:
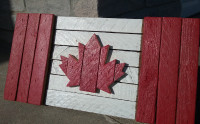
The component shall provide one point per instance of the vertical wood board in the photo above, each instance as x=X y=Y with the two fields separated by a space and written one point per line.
x=14 y=65
x=148 y=77
x=188 y=68
x=41 y=59
x=168 y=70
x=28 y=56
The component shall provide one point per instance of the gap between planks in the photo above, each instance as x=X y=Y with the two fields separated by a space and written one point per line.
x=120 y=90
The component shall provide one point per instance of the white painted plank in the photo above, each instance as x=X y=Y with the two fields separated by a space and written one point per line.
x=101 y=105
x=100 y=24
x=121 y=90
x=116 y=40
x=128 y=57
x=131 y=75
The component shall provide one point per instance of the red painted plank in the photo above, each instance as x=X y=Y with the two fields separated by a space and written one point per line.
x=41 y=59
x=168 y=71
x=119 y=71
x=74 y=67
x=90 y=65
x=10 y=90
x=148 y=78
x=64 y=64
x=187 y=84
x=28 y=55
x=106 y=71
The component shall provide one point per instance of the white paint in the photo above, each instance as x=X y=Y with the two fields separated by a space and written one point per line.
x=101 y=105
x=116 y=40
x=128 y=57
x=121 y=90
x=131 y=75
x=100 y=24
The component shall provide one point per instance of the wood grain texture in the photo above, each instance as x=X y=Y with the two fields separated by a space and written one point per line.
x=28 y=56
x=119 y=90
x=90 y=65
x=74 y=67
x=188 y=68
x=168 y=71
x=131 y=73
x=148 y=78
x=116 y=40
x=100 y=24
x=14 y=65
x=100 y=105
x=41 y=59
x=106 y=71
x=128 y=57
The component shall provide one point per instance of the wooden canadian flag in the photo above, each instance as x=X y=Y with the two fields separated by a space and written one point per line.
x=157 y=84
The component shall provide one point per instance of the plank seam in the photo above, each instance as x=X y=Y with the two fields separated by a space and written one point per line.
x=98 y=31
x=91 y=95
x=117 y=81
x=109 y=48
x=34 y=55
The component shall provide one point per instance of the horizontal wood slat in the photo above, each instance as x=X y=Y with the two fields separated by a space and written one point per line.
x=120 y=90
x=101 y=105
x=100 y=24
x=131 y=75
x=115 y=40
x=128 y=57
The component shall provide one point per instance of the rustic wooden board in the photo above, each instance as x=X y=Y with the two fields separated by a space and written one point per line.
x=41 y=59
x=148 y=78
x=100 y=24
x=116 y=40
x=188 y=68
x=101 y=105
x=128 y=57
x=28 y=56
x=14 y=65
x=131 y=73
x=168 y=71
x=120 y=90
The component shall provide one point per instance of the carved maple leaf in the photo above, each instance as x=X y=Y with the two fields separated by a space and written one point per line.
x=91 y=71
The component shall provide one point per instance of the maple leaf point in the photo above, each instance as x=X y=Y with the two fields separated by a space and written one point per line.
x=91 y=71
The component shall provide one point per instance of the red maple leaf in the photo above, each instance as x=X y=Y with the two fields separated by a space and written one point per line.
x=91 y=71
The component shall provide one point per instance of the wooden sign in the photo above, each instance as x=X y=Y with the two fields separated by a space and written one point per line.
x=156 y=85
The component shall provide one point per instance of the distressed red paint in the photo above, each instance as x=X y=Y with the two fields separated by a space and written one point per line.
x=91 y=70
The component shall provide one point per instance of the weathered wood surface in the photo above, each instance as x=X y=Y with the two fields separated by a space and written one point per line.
x=41 y=59
x=188 y=68
x=128 y=57
x=14 y=65
x=100 y=24
x=28 y=56
x=116 y=40
x=90 y=66
x=120 y=90
x=101 y=105
x=168 y=71
x=131 y=73
x=148 y=78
